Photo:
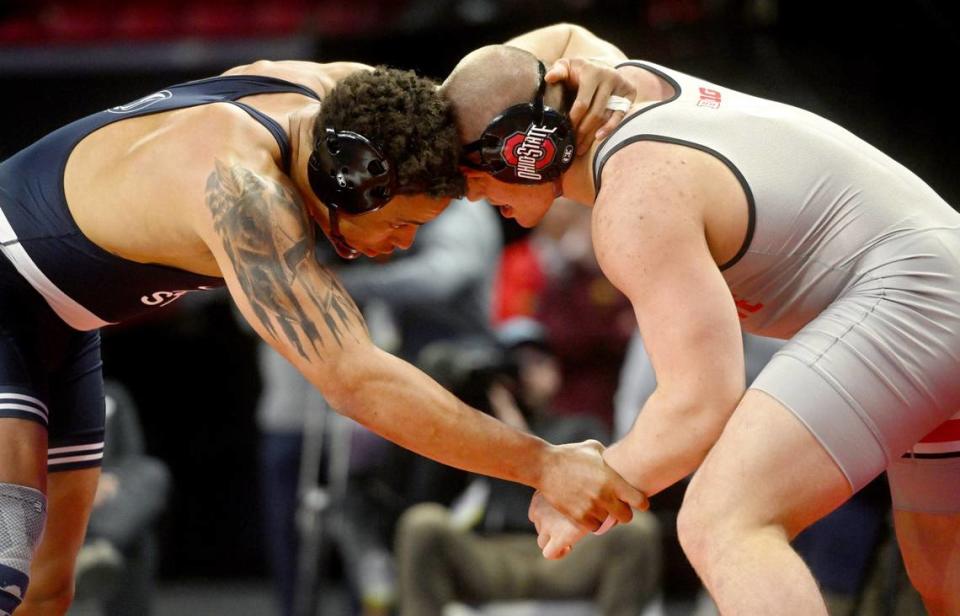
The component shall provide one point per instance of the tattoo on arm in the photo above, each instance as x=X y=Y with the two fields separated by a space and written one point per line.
x=269 y=238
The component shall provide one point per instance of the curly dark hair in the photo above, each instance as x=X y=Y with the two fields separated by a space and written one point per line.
x=408 y=119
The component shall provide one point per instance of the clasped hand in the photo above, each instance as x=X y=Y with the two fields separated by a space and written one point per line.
x=595 y=82
x=579 y=493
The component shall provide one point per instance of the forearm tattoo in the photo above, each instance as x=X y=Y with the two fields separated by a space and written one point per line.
x=268 y=237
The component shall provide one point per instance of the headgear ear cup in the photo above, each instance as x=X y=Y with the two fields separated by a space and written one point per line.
x=347 y=172
x=528 y=143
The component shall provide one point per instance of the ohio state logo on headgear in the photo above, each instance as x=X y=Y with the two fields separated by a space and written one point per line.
x=530 y=152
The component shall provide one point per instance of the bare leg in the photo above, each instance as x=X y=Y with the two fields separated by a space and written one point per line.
x=765 y=480
x=23 y=453
x=23 y=462
x=930 y=544
x=69 y=501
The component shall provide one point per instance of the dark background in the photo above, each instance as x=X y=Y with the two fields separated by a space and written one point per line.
x=885 y=70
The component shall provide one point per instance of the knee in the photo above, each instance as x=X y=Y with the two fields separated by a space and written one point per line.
x=22 y=517
x=52 y=584
x=692 y=533
x=705 y=524
x=54 y=597
x=423 y=527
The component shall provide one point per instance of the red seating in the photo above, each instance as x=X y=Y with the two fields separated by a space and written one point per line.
x=278 y=17
x=147 y=21
x=217 y=19
x=21 y=30
x=98 y=21
x=76 y=21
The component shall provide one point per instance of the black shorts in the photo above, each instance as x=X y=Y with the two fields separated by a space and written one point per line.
x=50 y=373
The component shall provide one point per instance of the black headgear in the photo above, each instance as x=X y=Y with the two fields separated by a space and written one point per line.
x=528 y=143
x=348 y=173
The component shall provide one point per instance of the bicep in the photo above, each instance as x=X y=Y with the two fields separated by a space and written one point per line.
x=688 y=322
x=546 y=43
x=263 y=239
x=566 y=41
x=652 y=245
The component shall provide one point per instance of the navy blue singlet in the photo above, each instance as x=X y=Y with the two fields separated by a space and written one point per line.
x=85 y=285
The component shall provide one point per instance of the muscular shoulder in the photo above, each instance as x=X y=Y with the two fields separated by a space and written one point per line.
x=240 y=194
x=652 y=178
x=233 y=160
x=657 y=196
x=218 y=131
x=320 y=78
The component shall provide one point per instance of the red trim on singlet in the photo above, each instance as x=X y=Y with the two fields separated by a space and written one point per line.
x=946 y=432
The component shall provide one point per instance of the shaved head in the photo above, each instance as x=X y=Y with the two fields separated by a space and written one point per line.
x=486 y=82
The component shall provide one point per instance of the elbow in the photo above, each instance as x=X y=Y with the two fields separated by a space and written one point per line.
x=342 y=390
x=701 y=415
x=572 y=31
x=566 y=27
x=347 y=380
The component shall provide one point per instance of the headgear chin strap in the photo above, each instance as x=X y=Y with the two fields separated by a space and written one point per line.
x=528 y=143
x=348 y=173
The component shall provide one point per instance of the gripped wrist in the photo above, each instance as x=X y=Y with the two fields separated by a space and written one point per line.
x=547 y=457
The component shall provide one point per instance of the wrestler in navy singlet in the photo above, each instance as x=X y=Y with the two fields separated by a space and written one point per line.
x=95 y=287
x=57 y=287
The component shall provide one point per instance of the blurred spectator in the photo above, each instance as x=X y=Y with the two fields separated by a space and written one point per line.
x=116 y=567
x=484 y=548
x=553 y=275
x=520 y=281
x=439 y=289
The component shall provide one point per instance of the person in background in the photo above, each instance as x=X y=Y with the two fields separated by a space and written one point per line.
x=117 y=565
x=483 y=548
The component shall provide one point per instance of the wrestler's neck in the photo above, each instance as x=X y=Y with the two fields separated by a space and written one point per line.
x=578 y=179
x=300 y=129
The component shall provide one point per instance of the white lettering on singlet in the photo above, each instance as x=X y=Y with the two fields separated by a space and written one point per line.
x=162 y=298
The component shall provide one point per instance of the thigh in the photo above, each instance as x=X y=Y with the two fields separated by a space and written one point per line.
x=50 y=375
x=77 y=403
x=925 y=479
x=766 y=468
x=877 y=370
x=23 y=447
x=23 y=413
x=926 y=506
